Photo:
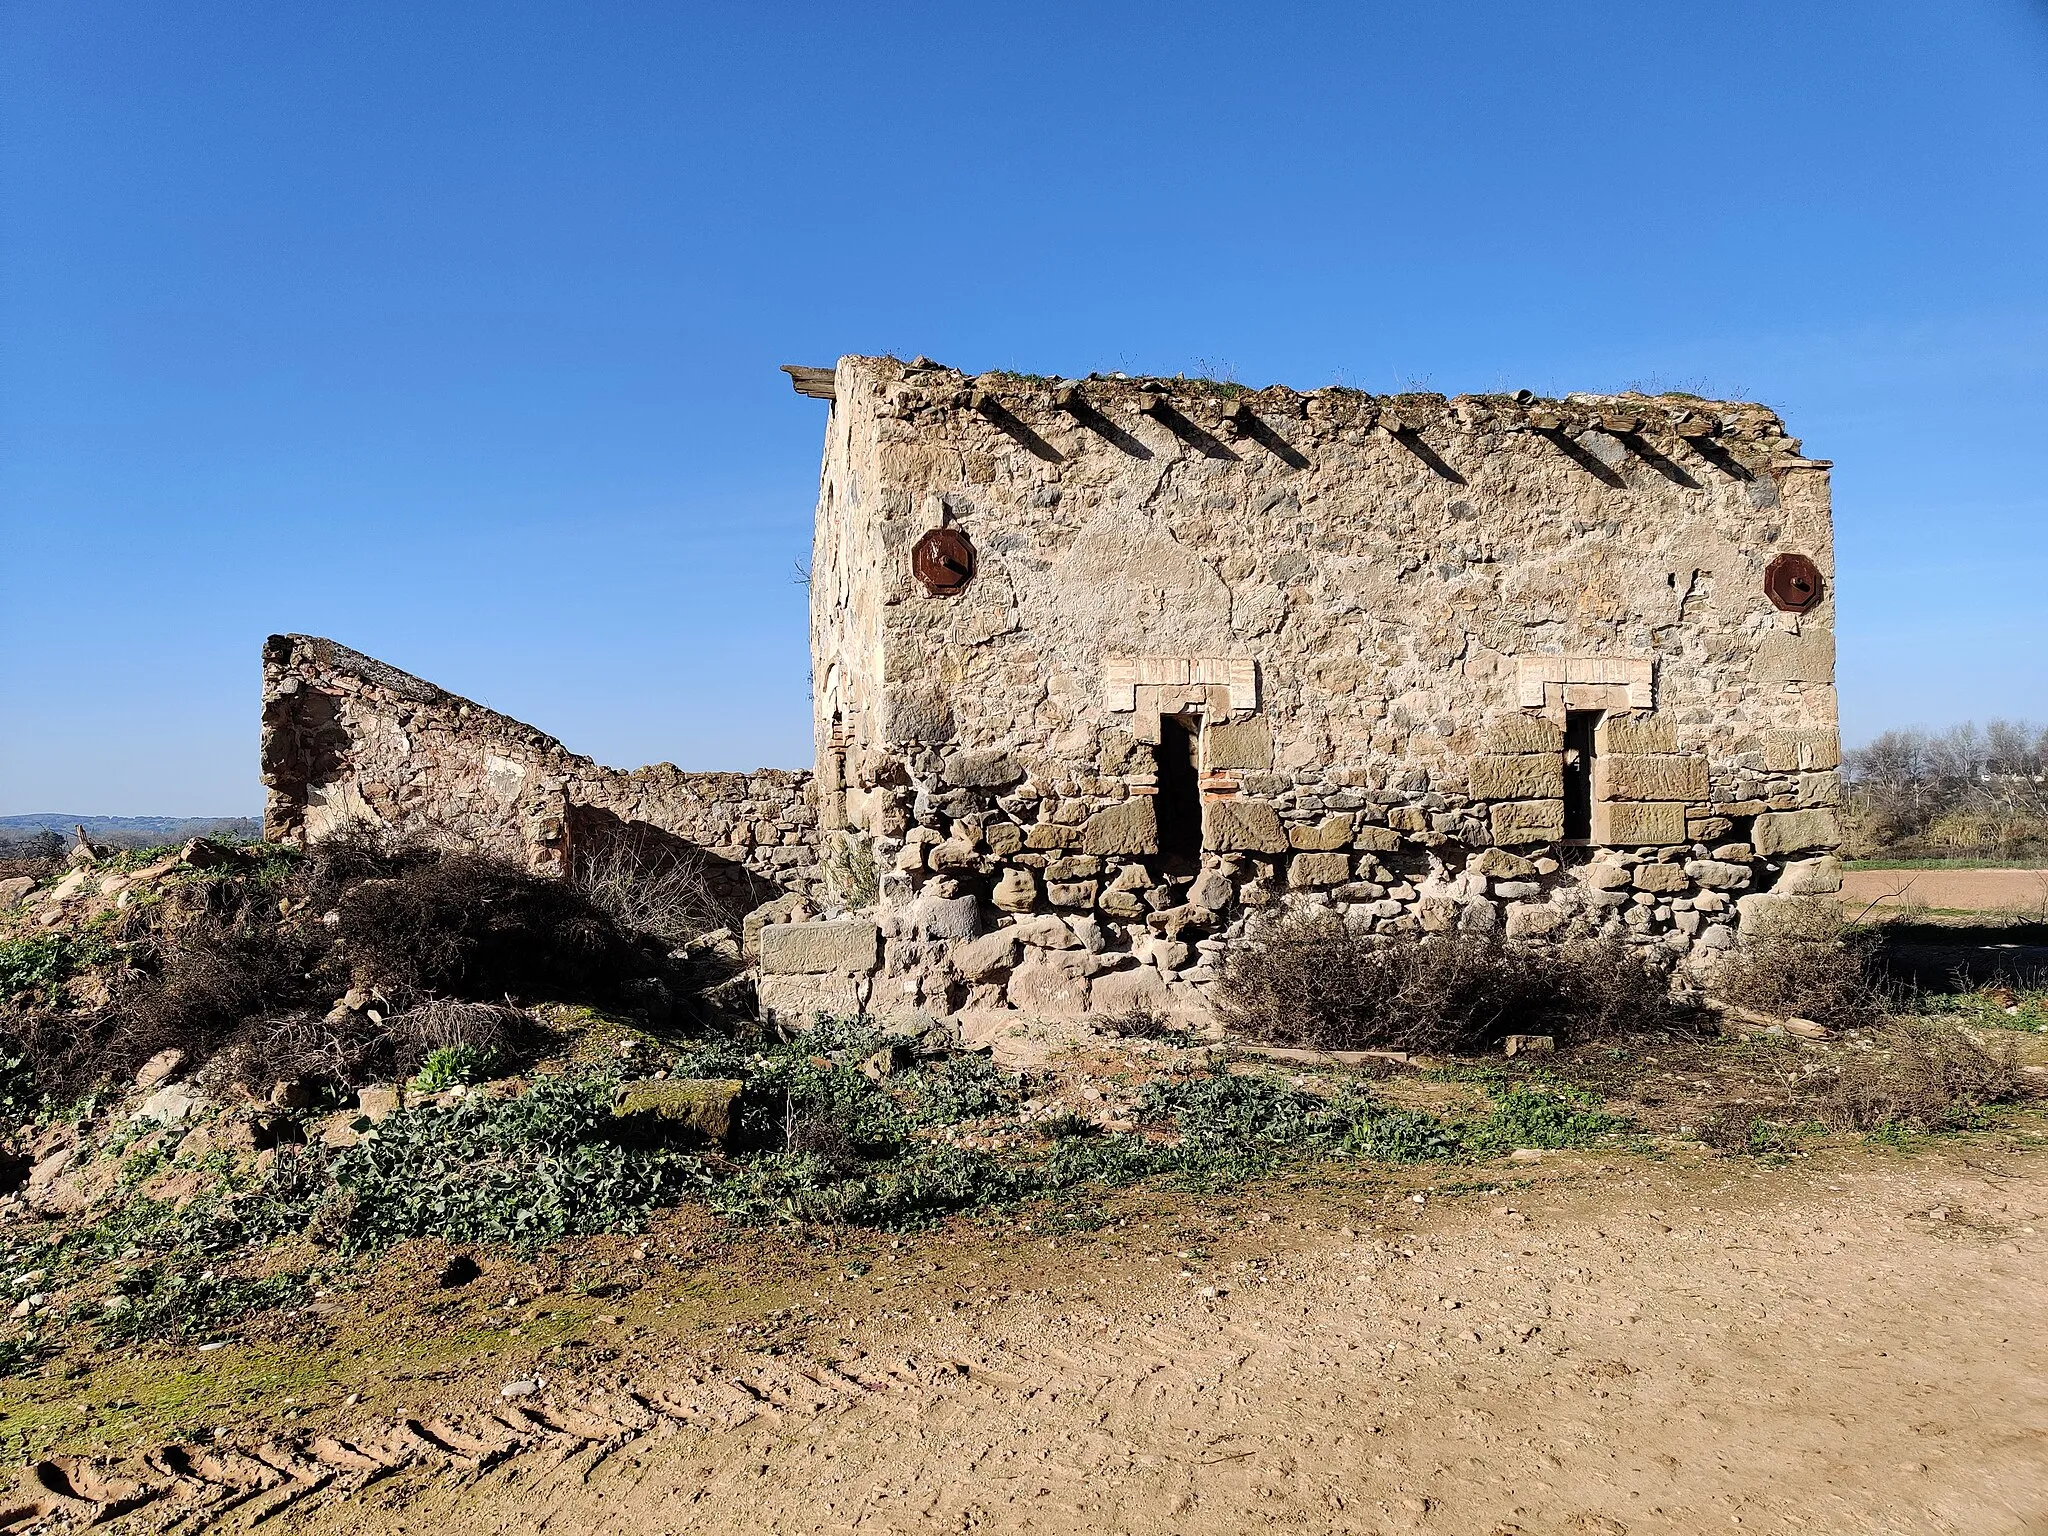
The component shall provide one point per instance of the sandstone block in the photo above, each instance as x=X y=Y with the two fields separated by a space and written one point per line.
x=1528 y=776
x=1660 y=877
x=1819 y=789
x=1017 y=891
x=1119 y=994
x=1633 y=735
x=1072 y=893
x=1244 y=826
x=1436 y=914
x=1802 y=750
x=1376 y=839
x=1211 y=889
x=995 y=769
x=702 y=1107
x=1717 y=875
x=1003 y=839
x=1640 y=777
x=1080 y=866
x=1530 y=920
x=795 y=999
x=1527 y=821
x=1632 y=824
x=1780 y=832
x=1044 y=931
x=804 y=949
x=1499 y=864
x=1243 y=745
x=1811 y=877
x=1807 y=657
x=979 y=959
x=1716 y=936
x=12 y=890
x=1606 y=877
x=1312 y=871
x=1509 y=890
x=1329 y=833
x=1049 y=984
x=1131 y=826
x=1515 y=735
x=1407 y=818
x=1122 y=904
x=1051 y=834
x=932 y=917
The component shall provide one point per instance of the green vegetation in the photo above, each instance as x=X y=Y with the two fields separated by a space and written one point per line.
x=448 y=1065
x=1995 y=1007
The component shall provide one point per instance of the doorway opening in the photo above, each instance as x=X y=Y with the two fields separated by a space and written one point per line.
x=1581 y=729
x=1178 y=805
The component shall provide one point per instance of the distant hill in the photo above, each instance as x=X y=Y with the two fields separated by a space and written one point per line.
x=124 y=831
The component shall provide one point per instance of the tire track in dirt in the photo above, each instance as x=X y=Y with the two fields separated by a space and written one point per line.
x=1854 y=1349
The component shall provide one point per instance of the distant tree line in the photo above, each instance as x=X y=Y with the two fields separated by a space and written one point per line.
x=1968 y=790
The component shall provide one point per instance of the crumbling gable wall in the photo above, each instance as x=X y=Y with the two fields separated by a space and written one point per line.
x=1362 y=627
x=349 y=742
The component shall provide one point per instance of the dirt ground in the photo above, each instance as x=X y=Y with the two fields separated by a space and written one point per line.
x=1853 y=1341
x=1947 y=890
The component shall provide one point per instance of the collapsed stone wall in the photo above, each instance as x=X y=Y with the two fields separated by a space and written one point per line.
x=1220 y=653
x=349 y=742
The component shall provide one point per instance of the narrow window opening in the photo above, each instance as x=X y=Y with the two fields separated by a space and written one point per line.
x=1178 y=805
x=1580 y=728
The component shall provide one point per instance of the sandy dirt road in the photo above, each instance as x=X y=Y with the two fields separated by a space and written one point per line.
x=1856 y=1342
x=1950 y=890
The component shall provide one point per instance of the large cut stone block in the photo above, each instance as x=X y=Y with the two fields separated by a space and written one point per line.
x=981 y=770
x=1526 y=776
x=1635 y=776
x=1633 y=824
x=1665 y=879
x=979 y=959
x=1330 y=833
x=1131 y=826
x=1777 y=832
x=1517 y=734
x=1528 y=920
x=1810 y=877
x=809 y=949
x=1238 y=744
x=1051 y=983
x=1376 y=839
x=699 y=1106
x=1808 y=657
x=1624 y=735
x=795 y=999
x=1797 y=751
x=1527 y=821
x=1311 y=871
x=1242 y=826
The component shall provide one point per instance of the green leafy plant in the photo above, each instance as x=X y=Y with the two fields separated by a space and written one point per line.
x=523 y=1171
x=449 y=1065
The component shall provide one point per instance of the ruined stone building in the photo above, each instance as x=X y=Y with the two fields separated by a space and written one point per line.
x=1108 y=671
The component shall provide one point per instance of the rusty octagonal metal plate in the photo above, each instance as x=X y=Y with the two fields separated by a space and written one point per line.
x=944 y=561
x=1792 y=583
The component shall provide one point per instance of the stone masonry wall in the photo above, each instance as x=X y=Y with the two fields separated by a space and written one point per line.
x=1374 y=620
x=349 y=741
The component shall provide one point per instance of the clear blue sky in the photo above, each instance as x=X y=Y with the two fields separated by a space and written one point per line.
x=451 y=331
